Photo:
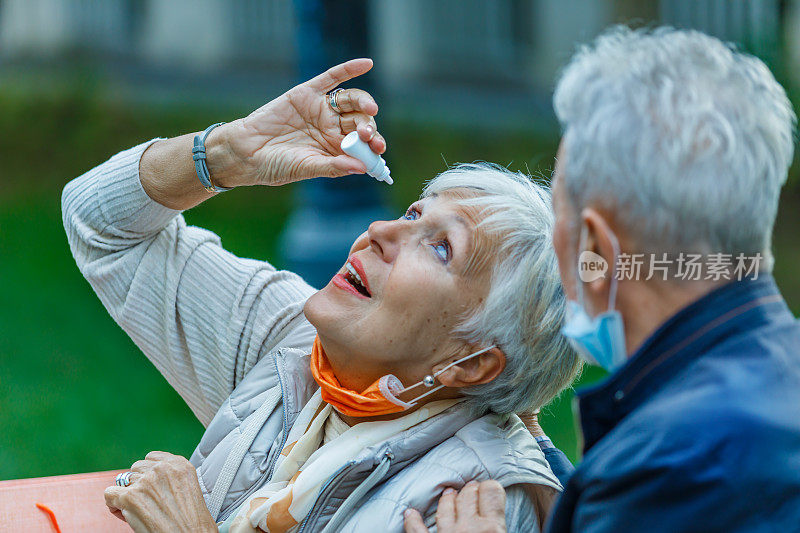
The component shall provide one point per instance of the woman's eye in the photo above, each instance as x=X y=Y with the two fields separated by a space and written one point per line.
x=411 y=214
x=442 y=249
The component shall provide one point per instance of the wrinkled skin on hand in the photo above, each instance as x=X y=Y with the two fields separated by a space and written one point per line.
x=480 y=507
x=298 y=135
x=164 y=496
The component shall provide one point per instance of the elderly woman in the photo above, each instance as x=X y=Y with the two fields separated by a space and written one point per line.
x=334 y=409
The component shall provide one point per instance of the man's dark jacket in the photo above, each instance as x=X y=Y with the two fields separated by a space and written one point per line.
x=700 y=430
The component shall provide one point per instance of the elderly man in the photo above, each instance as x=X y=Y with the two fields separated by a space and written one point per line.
x=674 y=152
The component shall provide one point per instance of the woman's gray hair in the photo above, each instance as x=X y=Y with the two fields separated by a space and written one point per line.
x=524 y=309
x=686 y=139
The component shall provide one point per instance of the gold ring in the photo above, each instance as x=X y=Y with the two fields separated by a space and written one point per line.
x=332 y=100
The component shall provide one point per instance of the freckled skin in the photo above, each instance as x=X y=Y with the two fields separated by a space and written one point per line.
x=417 y=300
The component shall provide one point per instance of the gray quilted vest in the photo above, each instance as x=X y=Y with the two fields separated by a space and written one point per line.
x=238 y=451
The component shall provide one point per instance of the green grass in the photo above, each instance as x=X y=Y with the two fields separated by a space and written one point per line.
x=76 y=395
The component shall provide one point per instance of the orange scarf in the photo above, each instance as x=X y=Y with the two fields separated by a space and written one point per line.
x=378 y=399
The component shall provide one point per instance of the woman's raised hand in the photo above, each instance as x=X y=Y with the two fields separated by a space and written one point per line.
x=294 y=137
x=297 y=135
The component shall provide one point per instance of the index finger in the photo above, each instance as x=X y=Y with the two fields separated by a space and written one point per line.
x=491 y=500
x=112 y=495
x=339 y=74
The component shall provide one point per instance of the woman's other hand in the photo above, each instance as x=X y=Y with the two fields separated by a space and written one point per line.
x=297 y=135
x=164 y=495
x=480 y=507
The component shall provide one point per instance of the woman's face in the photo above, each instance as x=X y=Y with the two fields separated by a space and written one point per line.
x=405 y=287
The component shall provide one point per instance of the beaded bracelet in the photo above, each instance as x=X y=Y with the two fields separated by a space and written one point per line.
x=200 y=165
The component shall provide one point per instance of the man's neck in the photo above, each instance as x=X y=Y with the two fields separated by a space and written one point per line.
x=645 y=306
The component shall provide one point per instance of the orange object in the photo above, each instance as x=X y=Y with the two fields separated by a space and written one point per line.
x=77 y=500
x=371 y=402
x=51 y=514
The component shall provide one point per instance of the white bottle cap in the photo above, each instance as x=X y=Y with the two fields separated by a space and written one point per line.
x=353 y=146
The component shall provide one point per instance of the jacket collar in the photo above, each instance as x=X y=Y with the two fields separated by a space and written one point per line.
x=408 y=446
x=735 y=307
x=293 y=369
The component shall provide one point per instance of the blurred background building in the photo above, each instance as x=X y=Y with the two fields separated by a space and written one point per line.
x=440 y=61
x=456 y=80
x=434 y=58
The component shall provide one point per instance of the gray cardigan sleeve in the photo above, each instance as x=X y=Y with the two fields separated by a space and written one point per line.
x=202 y=316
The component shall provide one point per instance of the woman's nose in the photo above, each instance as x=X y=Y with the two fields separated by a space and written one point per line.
x=385 y=238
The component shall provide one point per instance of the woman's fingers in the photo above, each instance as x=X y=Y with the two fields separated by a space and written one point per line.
x=352 y=121
x=467 y=500
x=113 y=497
x=367 y=130
x=356 y=101
x=342 y=165
x=166 y=497
x=377 y=143
x=339 y=74
x=412 y=522
x=156 y=455
x=492 y=500
x=142 y=466
x=478 y=507
x=446 y=511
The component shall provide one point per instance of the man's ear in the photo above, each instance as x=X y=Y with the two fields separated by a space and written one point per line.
x=599 y=237
x=476 y=371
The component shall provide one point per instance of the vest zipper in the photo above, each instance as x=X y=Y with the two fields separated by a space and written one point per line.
x=270 y=470
x=346 y=508
x=365 y=486
x=324 y=495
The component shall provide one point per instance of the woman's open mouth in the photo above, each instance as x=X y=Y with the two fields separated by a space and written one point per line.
x=353 y=278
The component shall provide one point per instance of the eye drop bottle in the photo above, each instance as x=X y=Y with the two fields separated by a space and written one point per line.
x=376 y=166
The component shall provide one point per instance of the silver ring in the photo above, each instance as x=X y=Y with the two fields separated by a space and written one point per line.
x=332 y=100
x=124 y=479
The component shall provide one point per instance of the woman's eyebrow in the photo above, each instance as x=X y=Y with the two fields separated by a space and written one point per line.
x=463 y=221
x=469 y=229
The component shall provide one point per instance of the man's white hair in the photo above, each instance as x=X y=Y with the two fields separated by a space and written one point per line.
x=524 y=309
x=688 y=140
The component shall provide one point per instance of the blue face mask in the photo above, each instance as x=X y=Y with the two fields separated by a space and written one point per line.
x=599 y=340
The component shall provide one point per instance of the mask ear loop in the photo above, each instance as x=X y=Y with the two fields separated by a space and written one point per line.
x=429 y=380
x=581 y=245
x=612 y=290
